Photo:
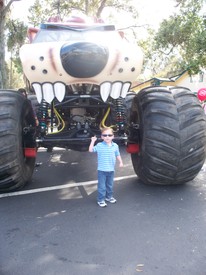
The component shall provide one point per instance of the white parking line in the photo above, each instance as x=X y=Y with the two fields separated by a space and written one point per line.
x=58 y=187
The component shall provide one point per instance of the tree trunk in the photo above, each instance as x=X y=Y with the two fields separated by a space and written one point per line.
x=2 y=50
x=3 y=11
x=100 y=9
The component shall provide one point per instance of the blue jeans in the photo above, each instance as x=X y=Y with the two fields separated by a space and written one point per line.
x=105 y=185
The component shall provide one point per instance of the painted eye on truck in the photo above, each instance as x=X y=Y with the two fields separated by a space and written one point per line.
x=83 y=59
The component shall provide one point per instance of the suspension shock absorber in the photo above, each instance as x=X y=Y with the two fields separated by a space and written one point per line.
x=42 y=116
x=120 y=112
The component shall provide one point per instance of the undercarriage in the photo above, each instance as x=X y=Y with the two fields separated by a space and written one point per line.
x=80 y=116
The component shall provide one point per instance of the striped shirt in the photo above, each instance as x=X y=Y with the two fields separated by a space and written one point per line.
x=106 y=155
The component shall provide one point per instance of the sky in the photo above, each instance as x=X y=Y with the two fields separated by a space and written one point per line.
x=151 y=12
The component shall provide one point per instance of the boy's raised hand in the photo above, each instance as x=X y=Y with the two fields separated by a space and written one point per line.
x=93 y=138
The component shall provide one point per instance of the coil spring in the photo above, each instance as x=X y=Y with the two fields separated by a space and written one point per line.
x=43 y=114
x=120 y=111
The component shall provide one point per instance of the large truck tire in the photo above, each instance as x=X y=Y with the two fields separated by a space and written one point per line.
x=172 y=135
x=16 y=115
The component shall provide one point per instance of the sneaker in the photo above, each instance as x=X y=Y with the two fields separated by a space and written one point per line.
x=111 y=200
x=102 y=203
x=37 y=164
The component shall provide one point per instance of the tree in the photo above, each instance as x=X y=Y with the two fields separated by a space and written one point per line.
x=184 y=34
x=4 y=10
x=15 y=39
x=41 y=10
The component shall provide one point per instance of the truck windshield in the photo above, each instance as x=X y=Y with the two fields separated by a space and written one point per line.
x=57 y=35
x=76 y=36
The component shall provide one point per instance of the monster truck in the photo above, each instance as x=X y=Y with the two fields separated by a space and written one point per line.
x=80 y=75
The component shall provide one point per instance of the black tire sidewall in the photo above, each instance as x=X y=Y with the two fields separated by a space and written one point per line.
x=17 y=169
x=149 y=164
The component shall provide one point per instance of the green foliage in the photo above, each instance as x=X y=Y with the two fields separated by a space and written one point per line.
x=184 y=33
x=42 y=10
x=17 y=32
x=14 y=77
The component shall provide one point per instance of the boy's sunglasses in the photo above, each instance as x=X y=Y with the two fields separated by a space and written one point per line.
x=105 y=135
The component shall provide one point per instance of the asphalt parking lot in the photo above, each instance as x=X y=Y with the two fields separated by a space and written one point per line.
x=54 y=226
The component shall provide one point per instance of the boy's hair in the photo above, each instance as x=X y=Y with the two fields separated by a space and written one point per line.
x=106 y=128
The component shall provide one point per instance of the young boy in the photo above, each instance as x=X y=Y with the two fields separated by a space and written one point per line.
x=107 y=153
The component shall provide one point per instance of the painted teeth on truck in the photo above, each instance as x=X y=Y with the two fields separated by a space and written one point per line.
x=105 y=89
x=38 y=91
x=49 y=91
x=115 y=90
x=125 y=89
x=59 y=91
